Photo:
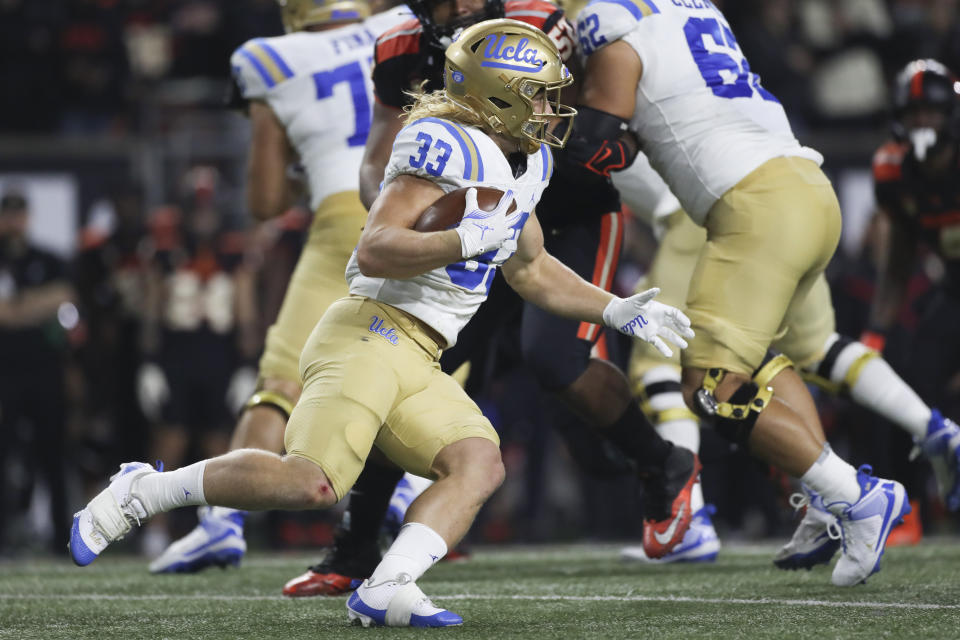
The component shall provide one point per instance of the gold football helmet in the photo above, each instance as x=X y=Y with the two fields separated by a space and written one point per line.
x=299 y=14
x=497 y=69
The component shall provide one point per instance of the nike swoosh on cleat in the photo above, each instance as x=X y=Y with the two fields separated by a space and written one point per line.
x=666 y=536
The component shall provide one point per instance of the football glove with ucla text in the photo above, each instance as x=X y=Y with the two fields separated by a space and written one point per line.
x=651 y=321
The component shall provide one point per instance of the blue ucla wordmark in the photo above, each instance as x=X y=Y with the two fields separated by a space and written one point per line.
x=388 y=334
x=519 y=58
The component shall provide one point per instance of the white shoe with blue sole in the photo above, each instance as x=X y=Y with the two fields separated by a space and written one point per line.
x=816 y=538
x=700 y=543
x=865 y=525
x=407 y=607
x=109 y=516
x=217 y=541
x=942 y=447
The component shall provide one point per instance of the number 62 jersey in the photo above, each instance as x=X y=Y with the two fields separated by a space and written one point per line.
x=703 y=118
x=318 y=85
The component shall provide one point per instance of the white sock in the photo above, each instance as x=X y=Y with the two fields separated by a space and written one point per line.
x=684 y=432
x=160 y=492
x=880 y=389
x=415 y=550
x=834 y=479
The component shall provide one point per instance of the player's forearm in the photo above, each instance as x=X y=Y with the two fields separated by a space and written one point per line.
x=895 y=272
x=554 y=287
x=268 y=202
x=888 y=300
x=395 y=252
x=370 y=178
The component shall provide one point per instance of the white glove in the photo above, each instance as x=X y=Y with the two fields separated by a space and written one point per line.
x=641 y=316
x=482 y=231
x=152 y=390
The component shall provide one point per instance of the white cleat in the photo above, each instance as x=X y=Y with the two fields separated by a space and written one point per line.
x=109 y=516
x=942 y=447
x=865 y=525
x=407 y=606
x=816 y=539
x=216 y=541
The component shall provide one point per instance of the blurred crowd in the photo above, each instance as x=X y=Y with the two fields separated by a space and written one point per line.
x=139 y=340
x=87 y=65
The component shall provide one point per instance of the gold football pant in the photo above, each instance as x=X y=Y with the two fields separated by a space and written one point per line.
x=671 y=269
x=371 y=377
x=758 y=279
x=317 y=282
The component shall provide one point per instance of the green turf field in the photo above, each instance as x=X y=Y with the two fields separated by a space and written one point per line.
x=548 y=592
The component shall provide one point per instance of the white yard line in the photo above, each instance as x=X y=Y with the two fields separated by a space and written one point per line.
x=476 y=596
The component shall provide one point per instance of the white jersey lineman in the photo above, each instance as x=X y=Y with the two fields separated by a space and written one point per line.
x=315 y=83
x=697 y=100
x=452 y=156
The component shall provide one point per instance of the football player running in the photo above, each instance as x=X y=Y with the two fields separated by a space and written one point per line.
x=917 y=183
x=835 y=363
x=584 y=230
x=308 y=96
x=673 y=74
x=370 y=367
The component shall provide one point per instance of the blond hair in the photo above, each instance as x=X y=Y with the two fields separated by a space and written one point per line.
x=437 y=104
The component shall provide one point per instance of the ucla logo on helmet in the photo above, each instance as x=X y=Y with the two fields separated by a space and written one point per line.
x=522 y=57
x=457 y=77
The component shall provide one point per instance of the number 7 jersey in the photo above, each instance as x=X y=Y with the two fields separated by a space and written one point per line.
x=703 y=118
x=318 y=85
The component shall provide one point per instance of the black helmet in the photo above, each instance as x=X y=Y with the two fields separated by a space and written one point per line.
x=441 y=35
x=926 y=83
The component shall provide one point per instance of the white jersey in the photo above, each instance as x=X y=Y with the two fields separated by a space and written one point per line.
x=452 y=156
x=702 y=116
x=318 y=85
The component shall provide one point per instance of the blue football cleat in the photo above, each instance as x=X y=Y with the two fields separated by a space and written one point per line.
x=109 y=516
x=865 y=525
x=700 y=543
x=942 y=447
x=216 y=541
x=407 y=607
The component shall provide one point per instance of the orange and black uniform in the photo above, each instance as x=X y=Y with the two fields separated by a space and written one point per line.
x=930 y=211
x=583 y=229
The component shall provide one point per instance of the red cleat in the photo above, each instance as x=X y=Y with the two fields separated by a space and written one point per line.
x=910 y=532
x=312 y=584
x=346 y=566
x=667 y=500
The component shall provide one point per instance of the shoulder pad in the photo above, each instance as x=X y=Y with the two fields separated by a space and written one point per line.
x=438 y=150
x=604 y=21
x=888 y=162
x=258 y=67
x=401 y=39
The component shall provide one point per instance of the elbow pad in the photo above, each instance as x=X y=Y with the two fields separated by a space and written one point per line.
x=599 y=144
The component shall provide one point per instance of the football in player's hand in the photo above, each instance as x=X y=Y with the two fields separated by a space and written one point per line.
x=447 y=211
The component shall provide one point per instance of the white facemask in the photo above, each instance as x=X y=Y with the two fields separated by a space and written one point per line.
x=922 y=140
